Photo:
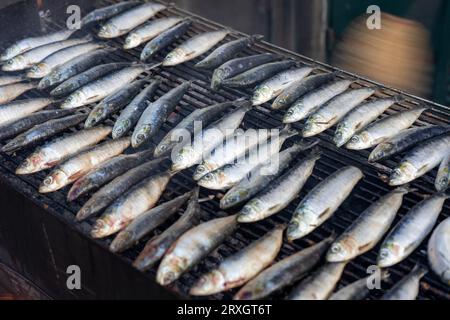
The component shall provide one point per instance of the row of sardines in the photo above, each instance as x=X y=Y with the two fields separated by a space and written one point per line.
x=81 y=87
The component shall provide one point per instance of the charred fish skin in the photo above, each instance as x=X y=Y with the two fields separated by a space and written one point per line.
x=194 y=245
x=310 y=102
x=443 y=176
x=242 y=266
x=194 y=47
x=106 y=172
x=146 y=222
x=334 y=110
x=438 y=251
x=410 y=231
x=130 y=19
x=280 y=193
x=156 y=247
x=368 y=229
x=130 y=115
x=275 y=85
x=260 y=73
x=321 y=284
x=117 y=187
x=357 y=290
x=404 y=140
x=9 y=92
x=360 y=117
x=226 y=52
x=107 y=12
x=20 y=109
x=43 y=131
x=156 y=114
x=238 y=65
x=113 y=103
x=11 y=79
x=318 y=206
x=420 y=160
x=383 y=129
x=299 y=88
x=58 y=149
x=164 y=39
x=284 y=272
x=408 y=287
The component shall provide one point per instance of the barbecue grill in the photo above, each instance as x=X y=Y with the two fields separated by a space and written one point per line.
x=39 y=234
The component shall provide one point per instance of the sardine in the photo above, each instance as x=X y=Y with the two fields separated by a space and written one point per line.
x=408 y=287
x=320 y=285
x=322 y=201
x=163 y=40
x=439 y=251
x=194 y=47
x=384 y=129
x=149 y=31
x=360 y=117
x=58 y=149
x=281 y=191
x=80 y=164
x=357 y=290
x=284 y=272
x=126 y=21
x=275 y=85
x=334 y=110
x=9 y=92
x=310 y=102
x=107 y=12
x=242 y=266
x=156 y=114
x=22 y=108
x=420 y=160
x=11 y=79
x=410 y=231
x=227 y=51
x=117 y=187
x=368 y=229
x=443 y=176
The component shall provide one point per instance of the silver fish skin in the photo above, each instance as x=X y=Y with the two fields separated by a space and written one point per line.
x=310 y=102
x=322 y=201
x=27 y=44
x=384 y=129
x=11 y=79
x=274 y=86
x=443 y=176
x=420 y=160
x=194 y=47
x=204 y=142
x=80 y=164
x=43 y=131
x=334 y=110
x=299 y=88
x=405 y=139
x=360 y=117
x=22 y=108
x=239 y=65
x=368 y=229
x=408 y=287
x=204 y=116
x=280 y=193
x=194 y=245
x=226 y=52
x=126 y=21
x=107 y=12
x=45 y=66
x=147 y=222
x=357 y=290
x=29 y=58
x=156 y=113
x=117 y=187
x=242 y=266
x=157 y=247
x=410 y=231
x=284 y=272
x=149 y=30
x=9 y=92
x=113 y=103
x=320 y=285
x=58 y=149
x=439 y=251
x=130 y=205
x=258 y=178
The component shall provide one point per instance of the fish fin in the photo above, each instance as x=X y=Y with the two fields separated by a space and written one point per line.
x=324 y=212
x=77 y=175
x=364 y=246
x=327 y=122
x=358 y=125
x=423 y=169
x=190 y=53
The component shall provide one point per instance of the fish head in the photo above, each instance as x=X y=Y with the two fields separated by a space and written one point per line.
x=74 y=100
x=390 y=254
x=174 y=57
x=404 y=173
x=10 y=52
x=54 y=181
x=183 y=159
x=250 y=211
x=94 y=117
x=38 y=70
x=121 y=241
x=359 y=141
x=132 y=41
x=380 y=151
x=103 y=227
x=108 y=31
x=161 y=148
x=343 y=134
x=208 y=284
x=31 y=164
x=170 y=269
x=120 y=128
x=262 y=94
x=13 y=63
x=342 y=250
x=48 y=80
x=293 y=114
x=212 y=180
x=200 y=171
x=141 y=135
x=218 y=76
x=149 y=50
x=312 y=125
x=232 y=198
x=302 y=223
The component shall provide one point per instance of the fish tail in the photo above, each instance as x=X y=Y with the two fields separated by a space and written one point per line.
x=310 y=143
x=287 y=131
x=256 y=37
x=385 y=275
x=398 y=98
x=419 y=270
x=405 y=189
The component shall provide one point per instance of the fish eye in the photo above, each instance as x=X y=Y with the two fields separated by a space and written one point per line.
x=162 y=147
x=201 y=169
x=48 y=181
x=354 y=139
x=336 y=248
x=208 y=177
